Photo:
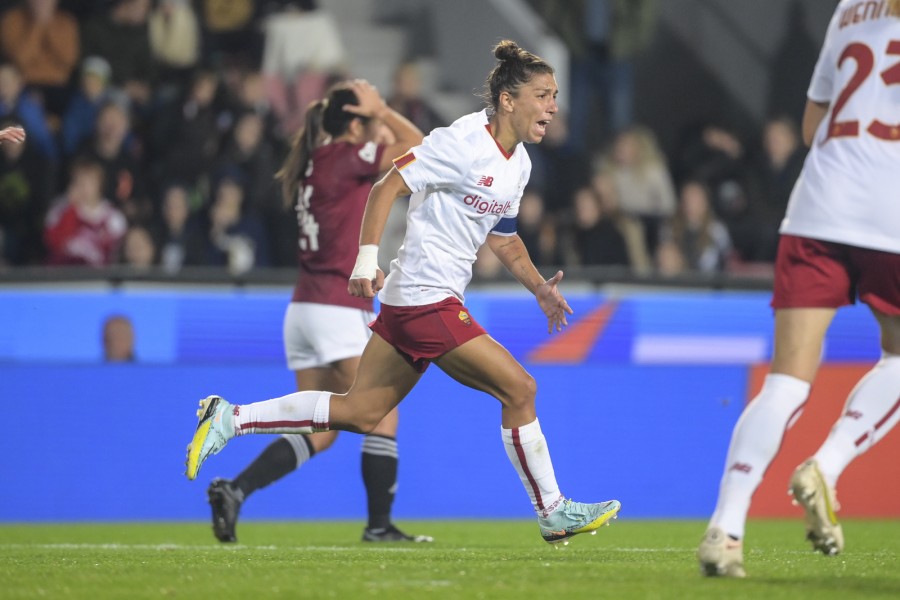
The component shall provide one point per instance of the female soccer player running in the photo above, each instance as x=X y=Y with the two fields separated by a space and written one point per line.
x=466 y=181
x=839 y=239
x=328 y=173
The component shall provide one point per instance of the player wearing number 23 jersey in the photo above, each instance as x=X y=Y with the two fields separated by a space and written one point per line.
x=840 y=241
x=847 y=192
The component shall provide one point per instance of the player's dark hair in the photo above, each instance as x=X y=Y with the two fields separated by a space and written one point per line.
x=515 y=67
x=322 y=117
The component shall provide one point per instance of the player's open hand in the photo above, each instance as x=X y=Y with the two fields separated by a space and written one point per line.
x=553 y=304
x=12 y=134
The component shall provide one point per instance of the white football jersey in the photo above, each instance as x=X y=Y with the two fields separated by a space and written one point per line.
x=464 y=186
x=849 y=189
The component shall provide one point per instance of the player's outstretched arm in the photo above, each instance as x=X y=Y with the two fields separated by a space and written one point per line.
x=511 y=251
x=366 y=278
x=15 y=135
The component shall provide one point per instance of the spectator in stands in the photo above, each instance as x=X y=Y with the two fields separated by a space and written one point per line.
x=557 y=169
x=783 y=155
x=669 y=260
x=642 y=180
x=25 y=189
x=117 y=149
x=630 y=227
x=175 y=43
x=189 y=133
x=121 y=35
x=43 y=42
x=595 y=239
x=538 y=230
x=406 y=98
x=604 y=38
x=230 y=32
x=177 y=234
x=235 y=239
x=702 y=239
x=247 y=93
x=93 y=92
x=249 y=151
x=118 y=339
x=138 y=249
x=715 y=154
x=83 y=228
x=18 y=105
x=302 y=55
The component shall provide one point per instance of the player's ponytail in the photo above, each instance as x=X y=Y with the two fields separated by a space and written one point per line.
x=302 y=146
x=514 y=68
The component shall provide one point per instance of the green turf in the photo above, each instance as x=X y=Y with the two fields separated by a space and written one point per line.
x=470 y=559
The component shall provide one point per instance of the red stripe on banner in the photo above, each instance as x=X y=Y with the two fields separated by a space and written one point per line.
x=878 y=425
x=572 y=346
x=520 y=452
x=274 y=424
x=404 y=160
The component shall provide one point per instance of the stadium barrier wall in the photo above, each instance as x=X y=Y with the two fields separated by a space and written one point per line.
x=637 y=399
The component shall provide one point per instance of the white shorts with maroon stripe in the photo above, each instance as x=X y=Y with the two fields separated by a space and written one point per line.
x=316 y=335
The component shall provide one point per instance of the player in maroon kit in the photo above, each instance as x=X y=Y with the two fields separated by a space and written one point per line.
x=332 y=165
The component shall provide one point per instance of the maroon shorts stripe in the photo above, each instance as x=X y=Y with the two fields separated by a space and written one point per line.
x=520 y=452
x=881 y=422
x=280 y=424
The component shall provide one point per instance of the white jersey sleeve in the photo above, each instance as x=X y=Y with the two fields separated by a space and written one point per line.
x=441 y=161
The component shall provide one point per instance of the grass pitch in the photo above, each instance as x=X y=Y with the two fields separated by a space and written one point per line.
x=469 y=559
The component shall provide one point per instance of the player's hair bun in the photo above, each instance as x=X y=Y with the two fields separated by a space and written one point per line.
x=514 y=67
x=507 y=50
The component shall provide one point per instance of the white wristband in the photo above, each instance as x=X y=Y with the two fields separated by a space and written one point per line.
x=366 y=262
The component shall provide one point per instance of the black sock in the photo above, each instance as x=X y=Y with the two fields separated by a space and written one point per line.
x=281 y=457
x=379 y=471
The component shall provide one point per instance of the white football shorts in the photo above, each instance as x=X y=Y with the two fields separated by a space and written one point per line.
x=316 y=335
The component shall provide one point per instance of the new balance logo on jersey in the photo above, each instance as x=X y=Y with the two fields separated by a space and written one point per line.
x=485 y=181
x=485 y=207
x=853 y=414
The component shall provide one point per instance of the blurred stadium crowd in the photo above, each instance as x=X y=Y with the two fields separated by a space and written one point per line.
x=155 y=128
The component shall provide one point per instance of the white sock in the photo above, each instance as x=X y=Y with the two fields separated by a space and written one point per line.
x=754 y=443
x=300 y=412
x=527 y=450
x=872 y=409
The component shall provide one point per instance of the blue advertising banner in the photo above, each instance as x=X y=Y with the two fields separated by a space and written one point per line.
x=637 y=399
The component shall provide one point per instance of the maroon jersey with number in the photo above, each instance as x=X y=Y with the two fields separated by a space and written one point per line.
x=330 y=205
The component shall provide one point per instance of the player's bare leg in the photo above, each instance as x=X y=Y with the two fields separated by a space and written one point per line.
x=485 y=365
